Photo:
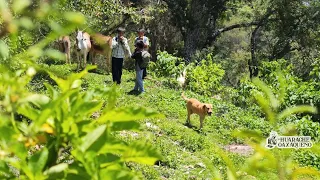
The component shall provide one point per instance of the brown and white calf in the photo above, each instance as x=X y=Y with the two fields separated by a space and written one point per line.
x=83 y=46
x=101 y=44
x=64 y=47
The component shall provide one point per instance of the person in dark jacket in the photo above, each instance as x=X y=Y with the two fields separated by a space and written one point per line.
x=145 y=39
x=137 y=55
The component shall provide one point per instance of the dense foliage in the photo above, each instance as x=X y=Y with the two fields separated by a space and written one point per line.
x=60 y=124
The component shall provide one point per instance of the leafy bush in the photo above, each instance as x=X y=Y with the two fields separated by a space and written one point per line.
x=166 y=65
x=51 y=134
x=308 y=158
x=61 y=120
x=278 y=160
x=205 y=78
x=243 y=97
x=306 y=127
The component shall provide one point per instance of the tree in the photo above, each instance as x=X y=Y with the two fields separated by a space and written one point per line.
x=291 y=24
x=285 y=26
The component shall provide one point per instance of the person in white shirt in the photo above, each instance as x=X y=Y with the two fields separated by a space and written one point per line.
x=120 y=49
x=145 y=40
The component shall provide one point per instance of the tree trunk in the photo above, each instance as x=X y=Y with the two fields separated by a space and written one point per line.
x=253 y=63
x=191 y=42
x=153 y=48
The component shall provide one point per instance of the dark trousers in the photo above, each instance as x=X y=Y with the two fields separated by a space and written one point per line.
x=144 y=73
x=117 y=64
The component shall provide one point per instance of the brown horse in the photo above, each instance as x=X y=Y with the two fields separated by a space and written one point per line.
x=101 y=44
x=64 y=47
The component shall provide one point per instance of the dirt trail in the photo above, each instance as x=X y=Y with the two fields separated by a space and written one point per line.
x=239 y=149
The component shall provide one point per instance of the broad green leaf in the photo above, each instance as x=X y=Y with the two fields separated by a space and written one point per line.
x=26 y=22
x=6 y=134
x=76 y=172
x=262 y=160
x=128 y=114
x=283 y=86
x=37 y=99
x=246 y=133
x=127 y=125
x=76 y=76
x=118 y=174
x=35 y=52
x=263 y=103
x=75 y=17
x=54 y=54
x=87 y=108
x=63 y=84
x=92 y=137
x=52 y=92
x=141 y=153
x=57 y=171
x=226 y=159
x=4 y=50
x=305 y=171
x=230 y=175
x=297 y=109
x=76 y=84
x=4 y=169
x=274 y=103
x=5 y=120
x=38 y=161
x=20 y=5
x=28 y=112
x=113 y=146
x=107 y=159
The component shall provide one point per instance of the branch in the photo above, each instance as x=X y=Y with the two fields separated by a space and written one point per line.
x=261 y=22
x=235 y=26
x=253 y=64
x=218 y=32
x=112 y=28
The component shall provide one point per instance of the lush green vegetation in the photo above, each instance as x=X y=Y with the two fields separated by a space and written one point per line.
x=57 y=123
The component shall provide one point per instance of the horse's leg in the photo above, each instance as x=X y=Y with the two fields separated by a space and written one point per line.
x=78 y=61
x=69 y=56
x=66 y=57
x=108 y=54
x=85 y=54
x=92 y=57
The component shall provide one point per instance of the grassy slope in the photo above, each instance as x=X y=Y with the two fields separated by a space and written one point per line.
x=188 y=154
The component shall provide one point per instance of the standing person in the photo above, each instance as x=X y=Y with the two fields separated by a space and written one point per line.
x=145 y=40
x=120 y=49
x=137 y=55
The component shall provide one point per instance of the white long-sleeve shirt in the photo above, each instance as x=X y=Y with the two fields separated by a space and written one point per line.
x=120 y=50
x=145 y=41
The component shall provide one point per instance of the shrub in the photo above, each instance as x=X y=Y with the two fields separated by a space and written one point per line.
x=53 y=135
x=306 y=127
x=166 y=65
x=206 y=77
x=307 y=158
x=62 y=119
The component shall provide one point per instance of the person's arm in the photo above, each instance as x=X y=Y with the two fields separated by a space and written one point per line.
x=134 y=55
x=146 y=44
x=126 y=46
x=114 y=43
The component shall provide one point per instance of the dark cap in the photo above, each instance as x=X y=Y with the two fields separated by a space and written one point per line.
x=141 y=30
x=121 y=29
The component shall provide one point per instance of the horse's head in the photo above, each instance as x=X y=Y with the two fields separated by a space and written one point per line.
x=80 y=40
